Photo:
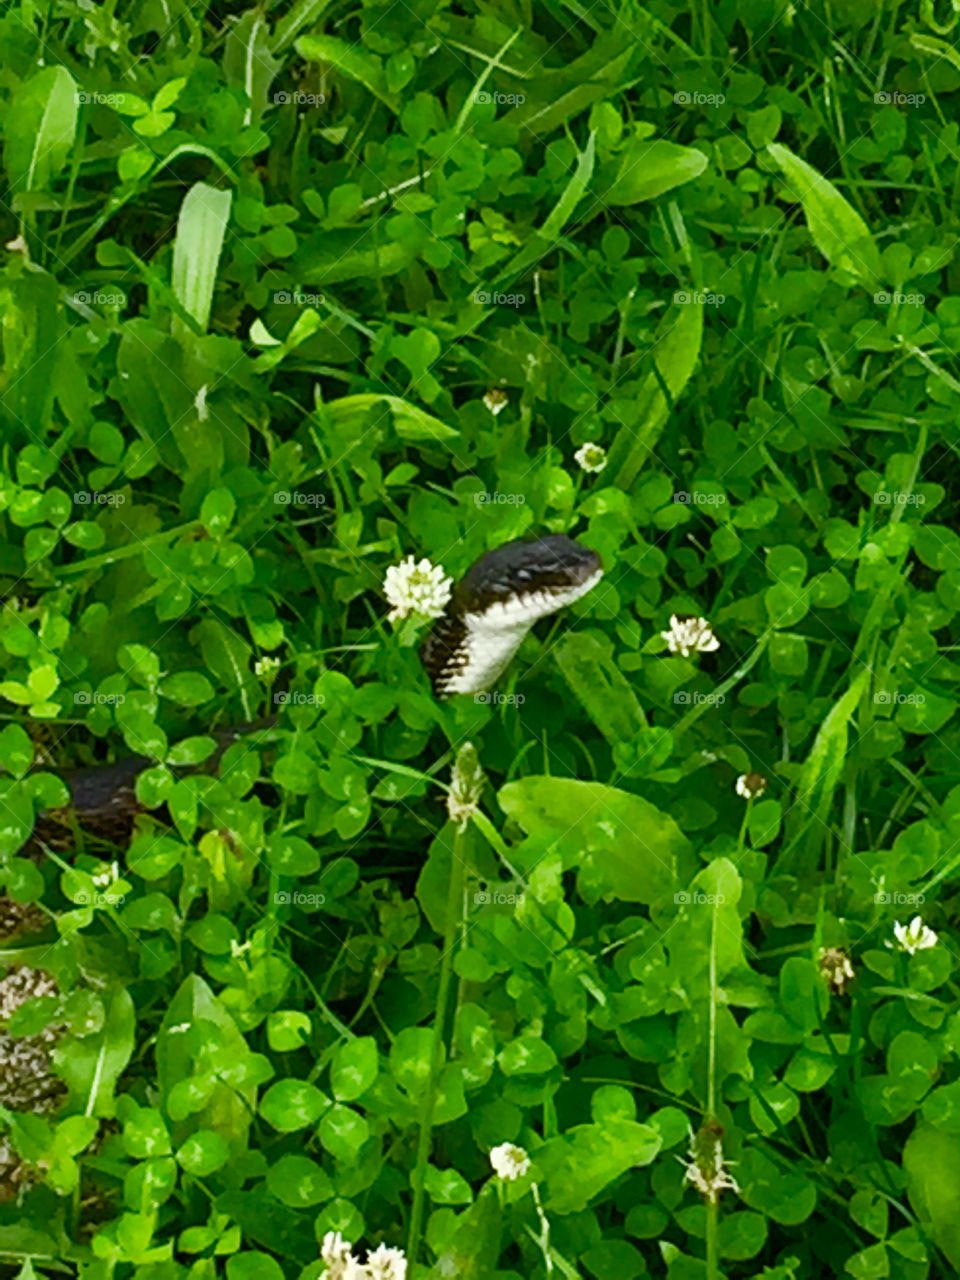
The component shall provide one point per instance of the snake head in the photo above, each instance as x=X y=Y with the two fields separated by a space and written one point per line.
x=497 y=602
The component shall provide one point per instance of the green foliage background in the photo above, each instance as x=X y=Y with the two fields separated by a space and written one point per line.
x=262 y=266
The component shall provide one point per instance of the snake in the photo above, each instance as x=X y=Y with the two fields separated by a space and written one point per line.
x=494 y=605
x=490 y=611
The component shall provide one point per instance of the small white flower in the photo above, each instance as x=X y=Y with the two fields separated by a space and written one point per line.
x=591 y=457
x=386 y=1264
x=751 y=785
x=914 y=937
x=416 y=588
x=496 y=400
x=238 y=949
x=690 y=635
x=509 y=1162
x=266 y=667
x=337 y=1253
x=108 y=875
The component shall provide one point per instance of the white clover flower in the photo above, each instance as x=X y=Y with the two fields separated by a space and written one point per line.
x=416 y=588
x=690 y=635
x=913 y=937
x=706 y=1168
x=751 y=785
x=510 y=1162
x=837 y=968
x=496 y=400
x=337 y=1254
x=386 y=1264
x=591 y=457
x=108 y=875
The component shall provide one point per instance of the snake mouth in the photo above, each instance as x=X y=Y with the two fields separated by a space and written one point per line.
x=497 y=602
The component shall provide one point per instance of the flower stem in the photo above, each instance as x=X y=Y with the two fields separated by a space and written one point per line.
x=454 y=896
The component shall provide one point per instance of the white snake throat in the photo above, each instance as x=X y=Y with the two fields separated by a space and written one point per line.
x=497 y=602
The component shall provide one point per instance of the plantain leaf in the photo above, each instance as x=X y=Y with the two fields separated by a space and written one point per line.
x=621 y=845
x=410 y=422
x=196 y=253
x=835 y=227
x=92 y=1065
x=40 y=129
x=351 y=62
x=652 y=166
x=822 y=768
x=675 y=354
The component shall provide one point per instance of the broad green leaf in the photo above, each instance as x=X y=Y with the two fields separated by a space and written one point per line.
x=473 y=1242
x=351 y=61
x=201 y=227
x=92 y=1065
x=579 y=1164
x=40 y=129
x=931 y=1160
x=650 y=167
x=249 y=64
x=621 y=845
x=410 y=423
x=675 y=354
x=836 y=228
x=586 y=660
x=821 y=770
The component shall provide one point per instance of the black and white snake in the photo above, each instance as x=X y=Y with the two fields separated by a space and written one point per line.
x=497 y=602
x=490 y=612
